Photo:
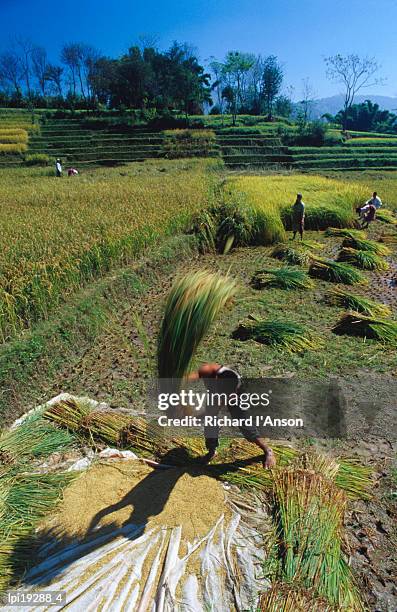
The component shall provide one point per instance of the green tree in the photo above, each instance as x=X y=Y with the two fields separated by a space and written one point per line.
x=272 y=80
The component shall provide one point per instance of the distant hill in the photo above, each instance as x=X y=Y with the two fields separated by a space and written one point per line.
x=334 y=103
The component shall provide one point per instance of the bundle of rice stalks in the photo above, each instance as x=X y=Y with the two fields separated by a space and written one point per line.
x=386 y=216
x=365 y=245
x=311 y=245
x=32 y=439
x=282 y=278
x=204 y=226
x=309 y=512
x=286 y=335
x=351 y=301
x=104 y=426
x=68 y=413
x=355 y=479
x=389 y=239
x=362 y=259
x=335 y=272
x=193 y=304
x=336 y=232
x=24 y=500
x=357 y=324
x=235 y=224
x=284 y=597
x=291 y=256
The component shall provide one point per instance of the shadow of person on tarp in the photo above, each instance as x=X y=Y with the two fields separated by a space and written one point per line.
x=146 y=499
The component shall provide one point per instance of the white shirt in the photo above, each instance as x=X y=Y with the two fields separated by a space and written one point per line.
x=59 y=167
x=377 y=202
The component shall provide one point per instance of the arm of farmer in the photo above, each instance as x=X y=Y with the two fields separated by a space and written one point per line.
x=269 y=460
x=207 y=370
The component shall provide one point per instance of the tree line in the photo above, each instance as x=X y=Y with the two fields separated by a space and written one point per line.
x=146 y=78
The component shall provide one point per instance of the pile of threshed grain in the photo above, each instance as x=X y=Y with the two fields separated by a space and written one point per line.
x=112 y=494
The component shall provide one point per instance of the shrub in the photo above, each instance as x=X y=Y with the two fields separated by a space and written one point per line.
x=189 y=143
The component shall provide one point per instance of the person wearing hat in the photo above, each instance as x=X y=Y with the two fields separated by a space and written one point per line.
x=225 y=380
x=58 y=168
x=298 y=216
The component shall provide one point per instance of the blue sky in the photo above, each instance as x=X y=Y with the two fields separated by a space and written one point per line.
x=299 y=32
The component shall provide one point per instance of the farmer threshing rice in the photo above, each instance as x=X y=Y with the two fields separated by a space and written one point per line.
x=193 y=304
x=223 y=380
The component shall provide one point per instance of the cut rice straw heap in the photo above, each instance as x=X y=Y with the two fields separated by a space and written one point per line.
x=192 y=306
x=361 y=244
x=335 y=272
x=24 y=500
x=293 y=257
x=357 y=324
x=340 y=297
x=284 y=597
x=282 y=278
x=33 y=439
x=281 y=334
x=366 y=260
x=309 y=513
x=118 y=430
x=336 y=232
x=386 y=216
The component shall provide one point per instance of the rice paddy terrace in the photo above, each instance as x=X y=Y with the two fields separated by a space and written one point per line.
x=84 y=141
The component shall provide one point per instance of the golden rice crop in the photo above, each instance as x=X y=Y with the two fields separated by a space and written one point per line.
x=329 y=202
x=56 y=234
x=7 y=149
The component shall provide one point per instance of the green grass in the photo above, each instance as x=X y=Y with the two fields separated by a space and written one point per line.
x=282 y=278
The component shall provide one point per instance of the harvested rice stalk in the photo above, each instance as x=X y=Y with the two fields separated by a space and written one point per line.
x=282 y=278
x=24 y=500
x=193 y=304
x=311 y=245
x=35 y=437
x=68 y=413
x=335 y=272
x=345 y=299
x=293 y=257
x=284 y=597
x=287 y=335
x=361 y=244
x=355 y=479
x=336 y=232
x=105 y=426
x=309 y=512
x=366 y=260
x=386 y=216
x=357 y=324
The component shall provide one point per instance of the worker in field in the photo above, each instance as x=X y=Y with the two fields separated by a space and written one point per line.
x=298 y=216
x=368 y=216
x=58 y=168
x=374 y=201
x=223 y=380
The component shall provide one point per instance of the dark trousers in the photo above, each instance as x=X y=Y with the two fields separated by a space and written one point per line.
x=211 y=433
